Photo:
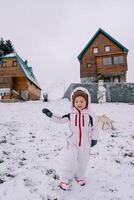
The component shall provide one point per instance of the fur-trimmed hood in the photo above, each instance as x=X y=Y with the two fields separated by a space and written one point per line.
x=83 y=90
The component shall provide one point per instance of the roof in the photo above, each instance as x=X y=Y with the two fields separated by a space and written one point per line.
x=108 y=36
x=25 y=68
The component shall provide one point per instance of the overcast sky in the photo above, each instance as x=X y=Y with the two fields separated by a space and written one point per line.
x=50 y=34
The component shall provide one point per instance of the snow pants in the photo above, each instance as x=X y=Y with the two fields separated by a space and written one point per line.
x=75 y=162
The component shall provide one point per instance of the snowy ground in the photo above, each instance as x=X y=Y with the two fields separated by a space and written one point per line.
x=30 y=144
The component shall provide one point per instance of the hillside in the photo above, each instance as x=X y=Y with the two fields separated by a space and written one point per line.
x=30 y=145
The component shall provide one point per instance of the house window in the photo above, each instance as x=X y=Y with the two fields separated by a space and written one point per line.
x=107 y=48
x=95 y=50
x=14 y=63
x=121 y=59
x=107 y=61
x=0 y=63
x=3 y=64
x=89 y=65
x=118 y=59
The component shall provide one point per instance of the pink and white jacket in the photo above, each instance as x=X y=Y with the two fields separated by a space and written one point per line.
x=83 y=124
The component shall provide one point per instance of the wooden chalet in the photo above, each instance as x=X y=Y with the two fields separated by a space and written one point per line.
x=17 y=80
x=103 y=58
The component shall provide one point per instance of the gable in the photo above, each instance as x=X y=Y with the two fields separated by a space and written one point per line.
x=106 y=35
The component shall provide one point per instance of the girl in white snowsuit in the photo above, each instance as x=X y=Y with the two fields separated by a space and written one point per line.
x=83 y=135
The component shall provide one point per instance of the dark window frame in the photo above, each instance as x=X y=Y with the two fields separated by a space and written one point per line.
x=89 y=65
x=106 y=47
x=94 y=49
x=120 y=60
x=107 y=62
x=3 y=64
x=115 y=60
x=14 y=63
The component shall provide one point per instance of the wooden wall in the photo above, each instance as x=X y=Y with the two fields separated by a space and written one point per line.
x=19 y=83
x=17 y=79
x=89 y=57
x=9 y=70
x=34 y=92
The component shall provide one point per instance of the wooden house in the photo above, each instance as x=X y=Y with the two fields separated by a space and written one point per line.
x=103 y=58
x=17 y=80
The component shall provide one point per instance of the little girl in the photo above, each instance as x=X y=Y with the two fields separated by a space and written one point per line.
x=83 y=126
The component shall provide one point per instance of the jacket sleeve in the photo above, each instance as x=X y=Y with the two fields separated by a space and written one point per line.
x=61 y=120
x=94 y=128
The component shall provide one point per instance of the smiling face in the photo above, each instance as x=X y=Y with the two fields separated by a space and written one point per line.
x=80 y=103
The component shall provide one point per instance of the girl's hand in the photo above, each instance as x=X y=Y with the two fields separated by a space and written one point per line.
x=93 y=143
x=47 y=112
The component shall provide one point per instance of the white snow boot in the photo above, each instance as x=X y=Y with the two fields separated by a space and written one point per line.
x=65 y=186
x=81 y=182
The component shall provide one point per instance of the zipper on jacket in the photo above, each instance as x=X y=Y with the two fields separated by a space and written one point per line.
x=80 y=132
x=83 y=120
x=75 y=120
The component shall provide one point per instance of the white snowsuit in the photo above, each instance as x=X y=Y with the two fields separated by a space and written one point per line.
x=83 y=128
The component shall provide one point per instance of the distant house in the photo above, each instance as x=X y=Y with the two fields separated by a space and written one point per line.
x=103 y=58
x=17 y=80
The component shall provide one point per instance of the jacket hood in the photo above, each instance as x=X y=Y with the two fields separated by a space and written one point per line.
x=82 y=89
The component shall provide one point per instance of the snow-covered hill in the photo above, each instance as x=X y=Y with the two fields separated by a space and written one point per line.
x=30 y=144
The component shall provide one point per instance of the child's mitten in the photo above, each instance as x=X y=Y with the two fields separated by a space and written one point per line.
x=47 y=112
x=93 y=143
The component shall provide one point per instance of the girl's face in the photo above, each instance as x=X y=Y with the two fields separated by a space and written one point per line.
x=80 y=103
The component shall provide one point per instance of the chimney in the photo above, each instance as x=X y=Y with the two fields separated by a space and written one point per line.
x=26 y=62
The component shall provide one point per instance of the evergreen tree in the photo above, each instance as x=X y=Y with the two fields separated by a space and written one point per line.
x=6 y=47
x=9 y=47
x=2 y=47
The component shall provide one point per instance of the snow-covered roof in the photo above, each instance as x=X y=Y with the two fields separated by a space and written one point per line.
x=10 y=55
